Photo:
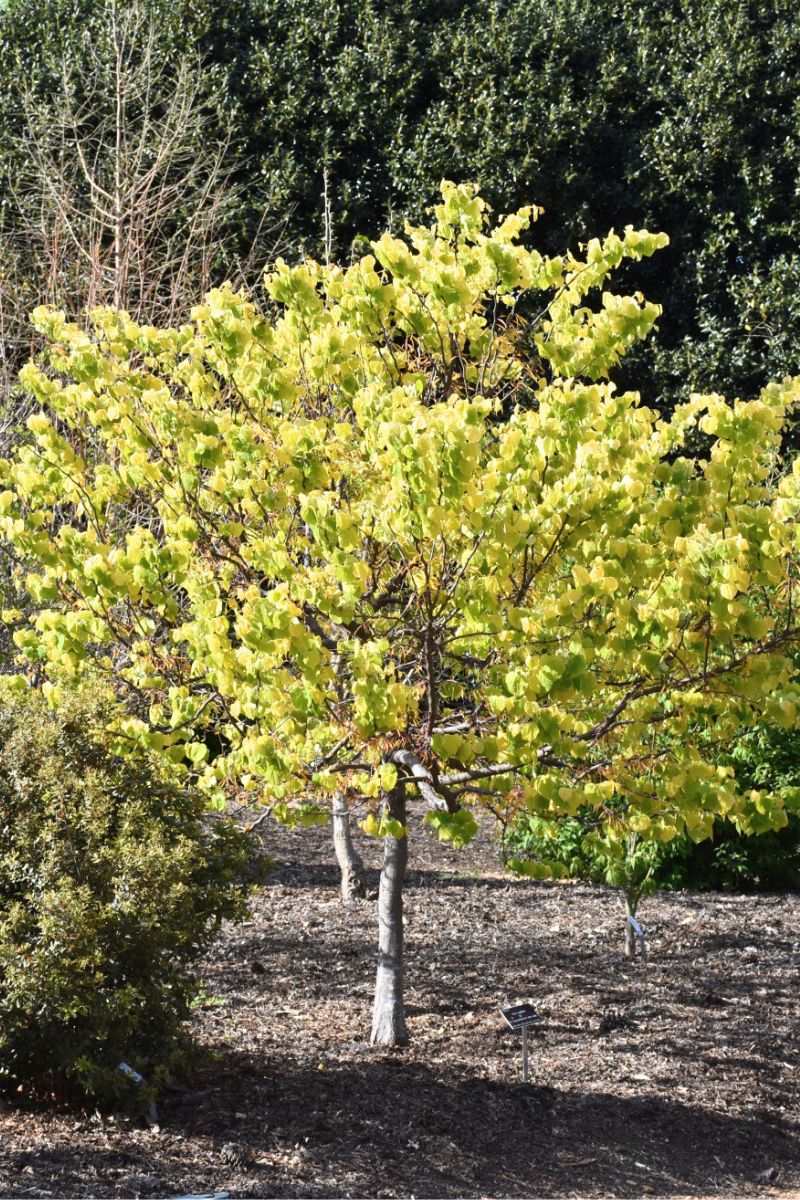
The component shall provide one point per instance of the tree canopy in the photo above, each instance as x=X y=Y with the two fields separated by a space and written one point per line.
x=393 y=533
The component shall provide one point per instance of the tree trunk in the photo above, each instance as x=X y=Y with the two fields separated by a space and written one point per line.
x=631 y=904
x=119 y=133
x=388 y=1018
x=350 y=863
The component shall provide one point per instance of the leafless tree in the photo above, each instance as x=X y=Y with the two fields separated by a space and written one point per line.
x=125 y=196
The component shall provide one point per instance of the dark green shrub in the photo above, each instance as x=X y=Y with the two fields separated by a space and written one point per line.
x=767 y=758
x=112 y=883
x=764 y=758
x=585 y=848
x=734 y=862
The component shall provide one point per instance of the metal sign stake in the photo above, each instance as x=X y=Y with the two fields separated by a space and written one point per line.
x=521 y=1016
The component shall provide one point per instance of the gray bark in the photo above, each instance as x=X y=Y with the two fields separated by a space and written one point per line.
x=388 y=1018
x=630 y=941
x=350 y=864
x=631 y=904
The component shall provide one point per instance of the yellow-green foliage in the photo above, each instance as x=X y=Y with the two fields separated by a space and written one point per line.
x=111 y=885
x=395 y=514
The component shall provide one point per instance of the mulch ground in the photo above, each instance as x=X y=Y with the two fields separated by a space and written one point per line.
x=675 y=1077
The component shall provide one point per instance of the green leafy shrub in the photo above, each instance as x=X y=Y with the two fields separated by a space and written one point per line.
x=112 y=883
x=729 y=861
x=585 y=848
x=767 y=758
x=764 y=858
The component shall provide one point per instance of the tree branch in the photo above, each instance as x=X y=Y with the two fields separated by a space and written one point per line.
x=423 y=779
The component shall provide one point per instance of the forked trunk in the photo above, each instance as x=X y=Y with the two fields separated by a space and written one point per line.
x=350 y=864
x=388 y=1018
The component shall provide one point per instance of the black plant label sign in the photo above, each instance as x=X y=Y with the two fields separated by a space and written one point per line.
x=518 y=1016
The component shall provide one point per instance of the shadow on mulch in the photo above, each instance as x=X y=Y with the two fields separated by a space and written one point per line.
x=322 y=875
x=386 y=1126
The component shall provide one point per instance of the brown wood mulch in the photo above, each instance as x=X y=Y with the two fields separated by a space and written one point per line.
x=678 y=1077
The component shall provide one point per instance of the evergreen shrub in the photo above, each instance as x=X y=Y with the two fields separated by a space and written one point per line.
x=112 y=884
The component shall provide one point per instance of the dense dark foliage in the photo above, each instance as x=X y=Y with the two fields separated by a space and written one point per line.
x=684 y=117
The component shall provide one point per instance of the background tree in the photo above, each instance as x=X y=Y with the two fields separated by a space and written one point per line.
x=764 y=854
x=398 y=537
x=119 y=184
x=115 y=178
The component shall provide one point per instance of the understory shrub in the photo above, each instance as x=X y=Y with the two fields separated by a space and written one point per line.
x=112 y=883
x=729 y=861
x=765 y=757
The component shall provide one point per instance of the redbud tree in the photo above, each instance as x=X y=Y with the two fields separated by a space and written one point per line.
x=398 y=536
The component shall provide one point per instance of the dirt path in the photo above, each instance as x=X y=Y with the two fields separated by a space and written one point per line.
x=675 y=1078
